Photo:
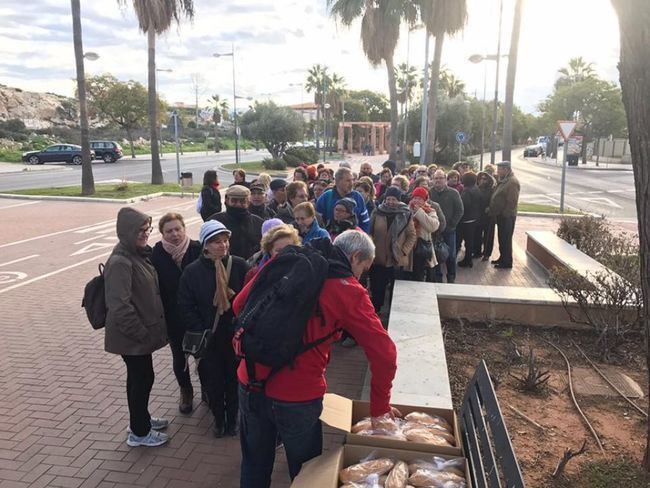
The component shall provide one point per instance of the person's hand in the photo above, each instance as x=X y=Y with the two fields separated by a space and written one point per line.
x=395 y=413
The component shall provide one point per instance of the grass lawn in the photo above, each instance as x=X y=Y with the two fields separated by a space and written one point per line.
x=540 y=208
x=119 y=191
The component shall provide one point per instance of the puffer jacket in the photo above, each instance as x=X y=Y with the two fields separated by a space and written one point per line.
x=135 y=320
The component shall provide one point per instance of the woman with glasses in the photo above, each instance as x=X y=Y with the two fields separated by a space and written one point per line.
x=135 y=321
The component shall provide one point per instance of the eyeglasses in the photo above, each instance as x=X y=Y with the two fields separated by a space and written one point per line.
x=146 y=231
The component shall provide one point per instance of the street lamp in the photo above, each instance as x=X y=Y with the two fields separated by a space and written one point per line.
x=477 y=58
x=234 y=99
x=91 y=56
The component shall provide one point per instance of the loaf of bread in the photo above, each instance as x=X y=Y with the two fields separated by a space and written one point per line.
x=454 y=466
x=433 y=429
x=425 y=436
x=359 y=472
x=429 y=478
x=398 y=476
x=362 y=425
x=428 y=419
x=393 y=436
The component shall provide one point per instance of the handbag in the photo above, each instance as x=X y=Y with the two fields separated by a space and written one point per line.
x=196 y=343
x=441 y=249
x=423 y=249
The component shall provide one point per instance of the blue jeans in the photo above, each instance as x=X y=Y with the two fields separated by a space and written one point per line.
x=450 y=239
x=262 y=420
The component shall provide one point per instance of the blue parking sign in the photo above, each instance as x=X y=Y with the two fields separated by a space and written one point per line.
x=460 y=137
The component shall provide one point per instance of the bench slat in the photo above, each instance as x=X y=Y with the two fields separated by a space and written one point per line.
x=471 y=443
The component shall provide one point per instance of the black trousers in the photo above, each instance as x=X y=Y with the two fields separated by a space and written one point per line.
x=381 y=277
x=420 y=268
x=465 y=232
x=505 y=228
x=484 y=236
x=218 y=375
x=139 y=381
x=178 y=358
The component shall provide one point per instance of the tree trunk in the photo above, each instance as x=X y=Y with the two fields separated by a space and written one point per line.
x=129 y=135
x=392 y=90
x=216 y=139
x=432 y=109
x=510 y=82
x=634 y=69
x=156 y=169
x=87 y=180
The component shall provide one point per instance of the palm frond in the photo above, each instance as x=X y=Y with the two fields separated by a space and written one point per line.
x=444 y=17
x=346 y=10
x=159 y=14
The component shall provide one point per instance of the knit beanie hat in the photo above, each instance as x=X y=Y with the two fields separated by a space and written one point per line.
x=210 y=229
x=421 y=192
x=267 y=225
x=393 y=191
x=348 y=203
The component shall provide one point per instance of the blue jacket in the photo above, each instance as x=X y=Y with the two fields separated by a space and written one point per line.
x=325 y=207
x=315 y=232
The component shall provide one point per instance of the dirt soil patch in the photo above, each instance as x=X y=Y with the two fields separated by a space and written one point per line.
x=505 y=349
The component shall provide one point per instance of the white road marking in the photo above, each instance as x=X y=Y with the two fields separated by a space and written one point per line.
x=19 y=260
x=601 y=201
x=52 y=273
x=11 y=276
x=92 y=247
x=21 y=204
x=93 y=238
x=51 y=234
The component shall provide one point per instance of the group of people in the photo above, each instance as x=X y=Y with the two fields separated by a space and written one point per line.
x=188 y=293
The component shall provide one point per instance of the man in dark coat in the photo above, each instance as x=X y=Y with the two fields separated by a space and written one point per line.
x=503 y=207
x=246 y=228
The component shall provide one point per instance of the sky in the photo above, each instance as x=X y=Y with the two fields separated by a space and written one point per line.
x=276 y=41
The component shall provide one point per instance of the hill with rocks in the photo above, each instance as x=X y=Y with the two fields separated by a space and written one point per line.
x=37 y=110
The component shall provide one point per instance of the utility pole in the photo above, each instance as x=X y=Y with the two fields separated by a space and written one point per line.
x=425 y=102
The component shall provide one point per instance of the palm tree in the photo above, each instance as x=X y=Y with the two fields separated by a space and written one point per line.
x=406 y=77
x=87 y=179
x=634 y=71
x=155 y=17
x=510 y=82
x=451 y=85
x=380 y=22
x=220 y=113
x=577 y=70
x=441 y=17
x=316 y=80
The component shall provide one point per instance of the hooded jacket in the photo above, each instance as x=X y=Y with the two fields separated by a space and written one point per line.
x=344 y=305
x=135 y=320
x=486 y=189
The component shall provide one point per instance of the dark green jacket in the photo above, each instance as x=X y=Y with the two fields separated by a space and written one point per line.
x=505 y=197
x=451 y=205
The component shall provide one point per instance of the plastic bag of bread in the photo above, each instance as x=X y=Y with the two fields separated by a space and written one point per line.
x=398 y=476
x=362 y=425
x=425 y=436
x=435 y=430
x=428 y=419
x=386 y=424
x=395 y=436
x=423 y=477
x=361 y=471
x=437 y=463
x=372 y=481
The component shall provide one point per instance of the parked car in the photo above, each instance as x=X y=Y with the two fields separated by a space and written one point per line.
x=108 y=151
x=533 y=151
x=58 y=153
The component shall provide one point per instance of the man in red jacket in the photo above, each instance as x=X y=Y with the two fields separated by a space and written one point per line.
x=292 y=400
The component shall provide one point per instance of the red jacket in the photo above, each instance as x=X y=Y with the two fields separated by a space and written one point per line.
x=344 y=304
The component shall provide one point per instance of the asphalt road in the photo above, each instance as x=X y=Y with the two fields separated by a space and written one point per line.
x=610 y=192
x=130 y=169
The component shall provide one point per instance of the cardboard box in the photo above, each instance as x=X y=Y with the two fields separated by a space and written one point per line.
x=342 y=413
x=323 y=471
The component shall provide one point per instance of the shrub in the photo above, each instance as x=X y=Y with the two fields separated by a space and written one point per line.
x=589 y=234
x=307 y=155
x=274 y=164
x=292 y=160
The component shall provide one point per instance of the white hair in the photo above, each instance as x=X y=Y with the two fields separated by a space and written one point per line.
x=341 y=172
x=355 y=241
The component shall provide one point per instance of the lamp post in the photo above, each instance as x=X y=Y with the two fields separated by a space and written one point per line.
x=234 y=99
x=425 y=100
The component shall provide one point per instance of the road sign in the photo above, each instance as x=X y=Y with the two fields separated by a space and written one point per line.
x=461 y=137
x=566 y=128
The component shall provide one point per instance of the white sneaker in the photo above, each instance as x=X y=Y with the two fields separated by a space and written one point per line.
x=156 y=424
x=152 y=439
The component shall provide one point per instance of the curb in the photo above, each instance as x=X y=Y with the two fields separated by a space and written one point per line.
x=579 y=167
x=27 y=170
x=554 y=215
x=99 y=200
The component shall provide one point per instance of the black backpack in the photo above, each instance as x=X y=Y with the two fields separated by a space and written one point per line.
x=271 y=327
x=94 y=301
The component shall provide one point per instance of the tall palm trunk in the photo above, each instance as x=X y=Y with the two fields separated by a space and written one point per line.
x=634 y=68
x=156 y=169
x=510 y=83
x=392 y=89
x=432 y=109
x=87 y=180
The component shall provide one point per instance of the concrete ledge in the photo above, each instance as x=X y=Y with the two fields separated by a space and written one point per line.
x=99 y=200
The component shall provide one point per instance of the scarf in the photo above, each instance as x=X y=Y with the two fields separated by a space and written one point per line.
x=177 y=252
x=427 y=210
x=223 y=293
x=401 y=214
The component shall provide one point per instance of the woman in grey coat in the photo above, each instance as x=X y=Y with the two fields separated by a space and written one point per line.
x=135 y=322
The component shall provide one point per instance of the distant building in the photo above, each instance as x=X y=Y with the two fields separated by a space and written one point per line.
x=307 y=110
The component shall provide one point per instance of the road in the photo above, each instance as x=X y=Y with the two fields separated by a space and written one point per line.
x=610 y=193
x=129 y=169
